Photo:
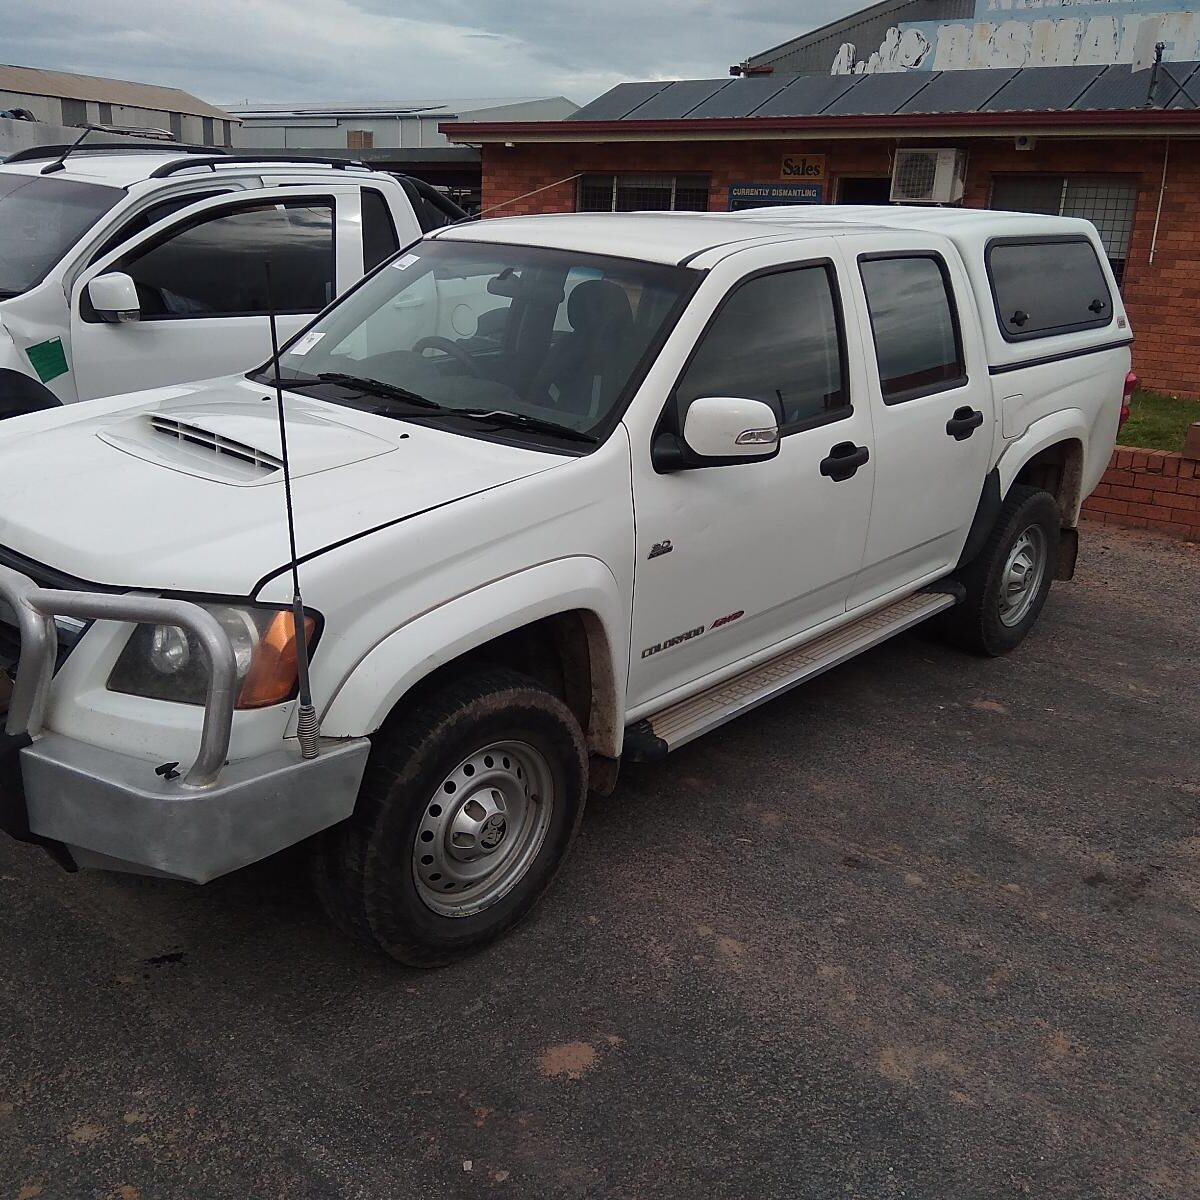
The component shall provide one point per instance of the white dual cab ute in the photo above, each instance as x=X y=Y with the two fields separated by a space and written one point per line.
x=127 y=266
x=566 y=489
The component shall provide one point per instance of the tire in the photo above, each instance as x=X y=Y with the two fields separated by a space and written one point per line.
x=470 y=803
x=997 y=614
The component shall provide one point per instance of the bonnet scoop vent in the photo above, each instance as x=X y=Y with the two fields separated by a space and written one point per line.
x=205 y=440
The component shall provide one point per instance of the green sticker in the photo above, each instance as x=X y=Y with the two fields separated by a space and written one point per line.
x=48 y=359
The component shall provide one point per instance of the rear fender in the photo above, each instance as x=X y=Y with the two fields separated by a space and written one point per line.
x=1070 y=424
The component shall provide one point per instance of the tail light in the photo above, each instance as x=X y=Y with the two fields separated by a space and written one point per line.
x=1131 y=382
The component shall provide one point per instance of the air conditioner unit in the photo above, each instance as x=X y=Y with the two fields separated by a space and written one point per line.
x=928 y=176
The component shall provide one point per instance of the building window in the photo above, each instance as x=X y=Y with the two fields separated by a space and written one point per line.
x=209 y=138
x=641 y=193
x=360 y=139
x=105 y=114
x=74 y=112
x=1105 y=200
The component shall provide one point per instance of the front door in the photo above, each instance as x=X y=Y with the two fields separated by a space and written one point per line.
x=933 y=413
x=202 y=286
x=732 y=559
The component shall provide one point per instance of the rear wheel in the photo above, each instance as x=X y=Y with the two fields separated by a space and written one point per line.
x=1008 y=582
x=468 y=808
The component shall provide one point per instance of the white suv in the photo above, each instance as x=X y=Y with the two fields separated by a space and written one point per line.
x=567 y=489
x=126 y=267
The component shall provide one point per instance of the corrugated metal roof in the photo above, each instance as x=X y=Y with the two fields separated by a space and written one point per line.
x=30 y=81
x=1029 y=89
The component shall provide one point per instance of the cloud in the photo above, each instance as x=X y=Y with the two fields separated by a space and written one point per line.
x=281 y=51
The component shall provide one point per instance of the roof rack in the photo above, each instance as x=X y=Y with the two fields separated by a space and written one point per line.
x=338 y=164
x=34 y=153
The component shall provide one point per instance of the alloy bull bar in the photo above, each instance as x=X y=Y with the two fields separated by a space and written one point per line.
x=114 y=810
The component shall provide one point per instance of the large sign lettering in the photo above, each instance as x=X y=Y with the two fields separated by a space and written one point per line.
x=1034 y=33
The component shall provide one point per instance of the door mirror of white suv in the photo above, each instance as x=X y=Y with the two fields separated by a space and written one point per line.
x=729 y=427
x=114 y=297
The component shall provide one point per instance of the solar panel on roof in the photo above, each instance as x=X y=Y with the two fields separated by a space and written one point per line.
x=1042 y=88
x=1119 y=87
x=678 y=99
x=741 y=97
x=881 y=94
x=1185 y=82
x=959 y=91
x=619 y=102
x=808 y=95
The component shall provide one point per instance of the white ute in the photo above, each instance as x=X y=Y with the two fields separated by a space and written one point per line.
x=125 y=267
x=567 y=489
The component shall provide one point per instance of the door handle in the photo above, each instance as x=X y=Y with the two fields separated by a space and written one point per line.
x=844 y=459
x=964 y=423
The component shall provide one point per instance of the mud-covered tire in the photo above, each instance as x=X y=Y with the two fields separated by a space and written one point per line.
x=996 y=614
x=495 y=744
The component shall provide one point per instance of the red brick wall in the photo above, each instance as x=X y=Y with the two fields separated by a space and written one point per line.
x=1149 y=489
x=1162 y=297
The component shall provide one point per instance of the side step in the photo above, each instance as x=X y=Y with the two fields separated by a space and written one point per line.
x=679 y=724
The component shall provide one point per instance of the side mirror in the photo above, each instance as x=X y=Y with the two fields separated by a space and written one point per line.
x=114 y=297
x=719 y=431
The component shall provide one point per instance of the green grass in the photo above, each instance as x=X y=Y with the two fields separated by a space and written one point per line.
x=1158 y=422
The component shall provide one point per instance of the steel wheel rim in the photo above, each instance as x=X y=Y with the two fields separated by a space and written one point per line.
x=482 y=828
x=1021 y=578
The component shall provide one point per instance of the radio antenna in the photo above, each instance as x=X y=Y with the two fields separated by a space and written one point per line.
x=308 y=726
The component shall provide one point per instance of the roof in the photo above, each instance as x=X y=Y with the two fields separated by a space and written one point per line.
x=415 y=108
x=670 y=237
x=31 y=81
x=1005 y=89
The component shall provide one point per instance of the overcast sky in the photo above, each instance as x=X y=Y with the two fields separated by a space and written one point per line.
x=278 y=51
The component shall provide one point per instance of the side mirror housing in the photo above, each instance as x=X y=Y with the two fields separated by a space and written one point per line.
x=719 y=431
x=114 y=297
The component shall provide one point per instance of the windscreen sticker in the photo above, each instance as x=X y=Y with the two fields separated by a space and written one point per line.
x=402 y=264
x=306 y=343
x=48 y=359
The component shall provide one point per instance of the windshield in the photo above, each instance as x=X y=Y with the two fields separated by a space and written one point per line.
x=40 y=220
x=541 y=338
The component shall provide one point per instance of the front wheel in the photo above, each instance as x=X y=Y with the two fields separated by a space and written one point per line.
x=1008 y=582
x=468 y=808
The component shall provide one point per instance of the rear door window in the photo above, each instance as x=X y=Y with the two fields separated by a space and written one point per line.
x=378 y=229
x=1047 y=286
x=915 y=324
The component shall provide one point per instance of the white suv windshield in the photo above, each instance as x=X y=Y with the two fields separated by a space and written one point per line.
x=554 y=336
x=40 y=220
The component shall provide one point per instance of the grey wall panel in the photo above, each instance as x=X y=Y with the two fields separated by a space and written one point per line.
x=959 y=91
x=808 y=95
x=619 y=102
x=678 y=99
x=1038 y=88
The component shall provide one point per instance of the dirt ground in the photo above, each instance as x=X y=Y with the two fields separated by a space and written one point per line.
x=929 y=927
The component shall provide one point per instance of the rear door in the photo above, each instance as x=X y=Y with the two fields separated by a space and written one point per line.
x=931 y=398
x=201 y=281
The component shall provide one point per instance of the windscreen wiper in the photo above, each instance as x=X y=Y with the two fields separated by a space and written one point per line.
x=501 y=416
x=377 y=387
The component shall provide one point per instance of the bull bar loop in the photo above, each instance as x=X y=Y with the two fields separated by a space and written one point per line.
x=35 y=609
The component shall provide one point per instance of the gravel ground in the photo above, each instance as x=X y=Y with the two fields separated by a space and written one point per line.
x=928 y=927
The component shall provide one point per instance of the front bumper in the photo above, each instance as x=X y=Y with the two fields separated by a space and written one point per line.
x=120 y=812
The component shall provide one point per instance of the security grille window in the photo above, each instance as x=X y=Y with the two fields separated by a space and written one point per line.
x=213 y=266
x=1105 y=200
x=778 y=339
x=1047 y=286
x=917 y=345
x=643 y=193
x=360 y=139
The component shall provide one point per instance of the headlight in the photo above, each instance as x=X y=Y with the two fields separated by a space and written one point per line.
x=164 y=662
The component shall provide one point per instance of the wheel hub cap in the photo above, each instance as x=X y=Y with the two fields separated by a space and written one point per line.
x=482 y=828
x=1021 y=579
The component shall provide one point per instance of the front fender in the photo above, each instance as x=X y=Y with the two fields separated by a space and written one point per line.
x=409 y=654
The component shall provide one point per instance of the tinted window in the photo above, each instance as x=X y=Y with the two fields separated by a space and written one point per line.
x=40 y=220
x=916 y=331
x=776 y=339
x=379 y=234
x=215 y=267
x=1046 y=287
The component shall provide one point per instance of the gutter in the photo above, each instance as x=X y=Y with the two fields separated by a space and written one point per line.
x=1086 y=123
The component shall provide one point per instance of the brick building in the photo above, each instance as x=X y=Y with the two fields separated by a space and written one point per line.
x=1094 y=141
